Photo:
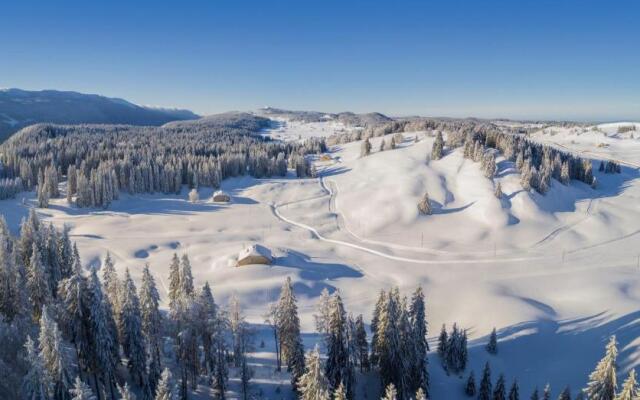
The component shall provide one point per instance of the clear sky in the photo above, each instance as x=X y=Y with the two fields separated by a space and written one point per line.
x=574 y=59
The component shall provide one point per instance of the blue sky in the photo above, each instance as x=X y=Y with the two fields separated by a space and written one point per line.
x=517 y=59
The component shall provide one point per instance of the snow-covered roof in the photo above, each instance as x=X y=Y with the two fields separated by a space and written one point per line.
x=255 y=250
x=220 y=193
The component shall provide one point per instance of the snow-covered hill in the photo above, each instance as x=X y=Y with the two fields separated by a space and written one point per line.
x=556 y=274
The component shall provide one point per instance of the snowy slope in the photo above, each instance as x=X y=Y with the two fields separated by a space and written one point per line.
x=556 y=274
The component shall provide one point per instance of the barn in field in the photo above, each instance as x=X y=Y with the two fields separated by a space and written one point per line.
x=255 y=254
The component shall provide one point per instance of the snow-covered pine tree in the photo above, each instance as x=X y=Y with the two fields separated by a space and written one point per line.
x=186 y=278
x=390 y=392
x=629 y=389
x=514 y=392
x=174 y=283
x=340 y=393
x=289 y=331
x=382 y=145
x=221 y=374
x=419 y=373
x=499 y=393
x=470 y=387
x=546 y=393
x=209 y=326
x=438 y=147
x=194 y=197
x=374 y=358
x=125 y=392
x=565 y=394
x=81 y=391
x=75 y=310
x=424 y=206
x=390 y=344
x=166 y=389
x=151 y=324
x=362 y=346
x=111 y=282
x=52 y=355
x=338 y=369
x=322 y=316
x=313 y=384
x=485 y=391
x=602 y=381
x=38 y=282
x=103 y=335
x=534 y=395
x=492 y=345
x=65 y=253
x=443 y=342
x=565 y=176
x=36 y=384
x=420 y=395
x=130 y=321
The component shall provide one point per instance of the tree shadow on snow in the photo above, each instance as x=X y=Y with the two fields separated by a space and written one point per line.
x=560 y=352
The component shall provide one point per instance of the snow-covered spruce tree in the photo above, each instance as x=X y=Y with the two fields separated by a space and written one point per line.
x=424 y=206
x=52 y=259
x=629 y=389
x=546 y=393
x=485 y=391
x=186 y=278
x=438 y=147
x=565 y=394
x=362 y=346
x=313 y=384
x=221 y=374
x=289 y=331
x=81 y=391
x=534 y=394
x=29 y=234
x=322 y=316
x=36 y=383
x=492 y=345
x=443 y=342
x=130 y=321
x=489 y=164
x=374 y=358
x=514 y=392
x=125 y=392
x=246 y=372
x=565 y=177
x=470 y=387
x=102 y=334
x=210 y=325
x=174 y=284
x=602 y=381
x=390 y=392
x=382 y=145
x=365 y=148
x=38 y=282
x=499 y=393
x=72 y=293
x=338 y=369
x=65 y=253
x=420 y=395
x=151 y=324
x=186 y=341
x=419 y=373
x=42 y=196
x=12 y=291
x=390 y=344
x=166 y=388
x=52 y=355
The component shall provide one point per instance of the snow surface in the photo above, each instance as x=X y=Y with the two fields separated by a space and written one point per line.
x=556 y=274
x=288 y=130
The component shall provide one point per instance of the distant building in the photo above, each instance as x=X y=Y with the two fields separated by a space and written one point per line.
x=221 y=197
x=255 y=254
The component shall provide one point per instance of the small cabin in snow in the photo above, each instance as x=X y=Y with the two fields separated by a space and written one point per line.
x=221 y=197
x=255 y=254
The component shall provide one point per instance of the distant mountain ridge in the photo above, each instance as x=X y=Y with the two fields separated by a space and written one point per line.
x=20 y=108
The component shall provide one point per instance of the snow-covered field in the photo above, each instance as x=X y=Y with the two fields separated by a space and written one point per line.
x=288 y=130
x=556 y=274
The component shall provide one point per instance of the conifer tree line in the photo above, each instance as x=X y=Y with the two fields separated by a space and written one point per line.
x=68 y=332
x=98 y=161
